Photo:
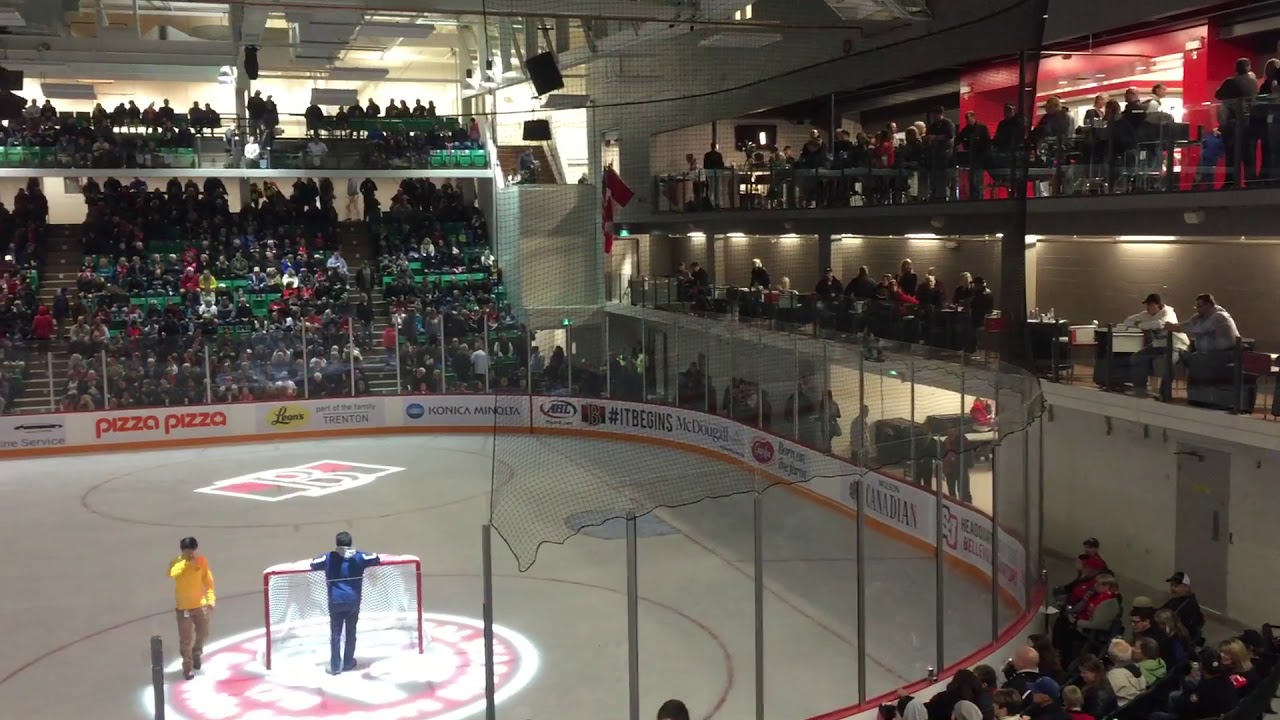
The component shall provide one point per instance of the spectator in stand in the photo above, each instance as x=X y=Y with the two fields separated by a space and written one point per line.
x=1237 y=95
x=1023 y=671
x=907 y=279
x=1045 y=694
x=963 y=687
x=1214 y=692
x=1146 y=654
x=1238 y=661
x=1154 y=320
x=1073 y=702
x=1125 y=677
x=1099 y=698
x=673 y=710
x=1182 y=601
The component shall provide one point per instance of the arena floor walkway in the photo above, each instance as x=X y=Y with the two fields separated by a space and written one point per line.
x=90 y=538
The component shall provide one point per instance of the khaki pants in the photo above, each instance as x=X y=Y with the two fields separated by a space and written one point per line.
x=193 y=629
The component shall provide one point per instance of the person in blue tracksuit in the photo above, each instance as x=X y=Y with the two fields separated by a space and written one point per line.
x=344 y=572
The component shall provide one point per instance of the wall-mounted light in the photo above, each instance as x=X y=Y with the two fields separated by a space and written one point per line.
x=1147 y=238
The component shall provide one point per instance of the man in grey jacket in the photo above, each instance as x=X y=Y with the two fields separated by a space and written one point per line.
x=1211 y=328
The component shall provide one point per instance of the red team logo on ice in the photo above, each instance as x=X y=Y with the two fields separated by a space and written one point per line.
x=445 y=683
x=311 y=480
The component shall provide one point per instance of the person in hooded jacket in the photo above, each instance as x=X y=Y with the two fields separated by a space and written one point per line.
x=1146 y=655
x=1125 y=677
x=344 y=573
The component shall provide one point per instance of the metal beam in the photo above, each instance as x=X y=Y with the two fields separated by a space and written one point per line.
x=633 y=11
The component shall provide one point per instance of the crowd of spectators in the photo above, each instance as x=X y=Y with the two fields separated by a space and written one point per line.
x=1122 y=144
x=129 y=136
x=180 y=299
x=22 y=251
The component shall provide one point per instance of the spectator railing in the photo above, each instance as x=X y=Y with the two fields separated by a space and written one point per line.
x=1208 y=147
x=440 y=143
x=1240 y=380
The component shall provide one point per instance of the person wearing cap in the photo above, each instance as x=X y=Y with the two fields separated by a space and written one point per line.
x=1152 y=321
x=827 y=293
x=1045 y=695
x=1262 y=657
x=1089 y=565
x=194 y=601
x=1182 y=601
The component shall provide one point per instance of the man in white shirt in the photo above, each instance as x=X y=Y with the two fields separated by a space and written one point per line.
x=316 y=150
x=252 y=152
x=480 y=364
x=1153 y=322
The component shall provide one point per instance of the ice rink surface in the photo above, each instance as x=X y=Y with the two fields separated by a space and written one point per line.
x=90 y=537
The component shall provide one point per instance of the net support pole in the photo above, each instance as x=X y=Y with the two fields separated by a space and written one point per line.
x=53 y=396
x=106 y=385
x=486 y=563
x=486 y=352
x=608 y=361
x=266 y=618
x=157 y=676
x=642 y=364
x=758 y=577
x=444 y=369
x=676 y=355
x=351 y=353
x=633 y=623
x=306 y=372
x=939 y=544
x=208 y=378
x=568 y=355
x=860 y=492
x=399 y=386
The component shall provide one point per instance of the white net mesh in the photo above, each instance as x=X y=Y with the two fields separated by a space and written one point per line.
x=297 y=611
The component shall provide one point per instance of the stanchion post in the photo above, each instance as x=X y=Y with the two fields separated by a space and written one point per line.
x=861 y=492
x=758 y=507
x=486 y=564
x=157 y=675
x=633 y=623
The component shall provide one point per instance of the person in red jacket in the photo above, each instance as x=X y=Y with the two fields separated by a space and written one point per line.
x=42 y=328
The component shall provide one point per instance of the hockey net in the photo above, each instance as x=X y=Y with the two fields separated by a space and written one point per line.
x=296 y=610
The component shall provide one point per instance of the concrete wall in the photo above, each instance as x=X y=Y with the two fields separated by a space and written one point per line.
x=1120 y=486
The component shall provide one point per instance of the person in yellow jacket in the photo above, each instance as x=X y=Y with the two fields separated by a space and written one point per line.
x=193 y=591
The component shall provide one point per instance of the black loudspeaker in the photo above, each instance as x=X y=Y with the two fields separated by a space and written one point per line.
x=251 y=62
x=537 y=131
x=11 y=106
x=10 y=80
x=544 y=73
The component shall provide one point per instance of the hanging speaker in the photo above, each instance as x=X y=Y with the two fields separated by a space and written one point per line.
x=544 y=72
x=537 y=131
x=251 y=62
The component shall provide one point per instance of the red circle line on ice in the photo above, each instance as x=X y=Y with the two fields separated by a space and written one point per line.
x=445 y=683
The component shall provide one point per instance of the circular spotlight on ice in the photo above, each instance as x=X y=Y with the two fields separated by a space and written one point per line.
x=392 y=680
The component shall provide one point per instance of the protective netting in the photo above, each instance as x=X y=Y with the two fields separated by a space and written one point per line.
x=297 y=610
x=661 y=347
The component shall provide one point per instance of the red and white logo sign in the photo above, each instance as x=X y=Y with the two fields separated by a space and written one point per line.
x=166 y=423
x=762 y=450
x=312 y=480
x=446 y=682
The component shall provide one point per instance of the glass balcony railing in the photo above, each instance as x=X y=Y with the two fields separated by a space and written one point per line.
x=1240 y=380
x=1211 y=147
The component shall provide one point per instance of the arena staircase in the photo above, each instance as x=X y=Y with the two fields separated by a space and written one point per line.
x=61 y=267
x=509 y=158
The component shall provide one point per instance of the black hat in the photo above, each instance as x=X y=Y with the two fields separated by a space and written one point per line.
x=1252 y=639
x=1153 y=298
x=1092 y=543
x=188 y=543
x=1179 y=578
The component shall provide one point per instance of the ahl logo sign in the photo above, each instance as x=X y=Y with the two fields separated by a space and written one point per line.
x=287 y=417
x=316 y=479
x=392 y=681
x=558 y=412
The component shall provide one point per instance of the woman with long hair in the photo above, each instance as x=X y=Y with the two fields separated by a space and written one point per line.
x=1099 y=698
x=1236 y=660
x=1050 y=662
x=1180 y=644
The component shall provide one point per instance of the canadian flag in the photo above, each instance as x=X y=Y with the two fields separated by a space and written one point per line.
x=615 y=191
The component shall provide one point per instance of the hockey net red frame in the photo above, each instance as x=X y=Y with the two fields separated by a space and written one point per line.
x=383 y=596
